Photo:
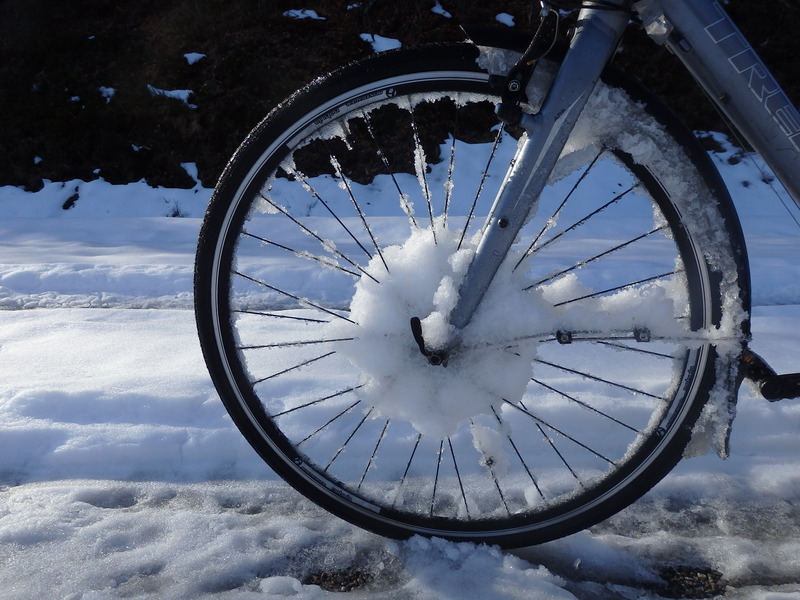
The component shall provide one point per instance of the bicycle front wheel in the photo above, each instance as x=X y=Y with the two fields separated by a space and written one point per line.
x=355 y=207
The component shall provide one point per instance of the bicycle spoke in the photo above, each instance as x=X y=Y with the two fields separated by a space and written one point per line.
x=481 y=185
x=591 y=336
x=636 y=349
x=617 y=288
x=599 y=336
x=347 y=441
x=317 y=401
x=448 y=186
x=449 y=183
x=585 y=405
x=581 y=221
x=539 y=422
x=488 y=463
x=348 y=188
x=294 y=343
x=458 y=476
x=555 y=449
x=436 y=477
x=546 y=337
x=421 y=167
x=403 y=198
x=331 y=420
x=408 y=467
x=503 y=427
x=586 y=261
x=521 y=407
x=278 y=316
x=294 y=368
x=554 y=216
x=303 y=254
x=301 y=301
x=508 y=344
x=598 y=379
x=374 y=453
x=326 y=244
x=690 y=338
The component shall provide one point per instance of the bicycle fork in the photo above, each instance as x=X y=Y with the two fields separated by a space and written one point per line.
x=596 y=38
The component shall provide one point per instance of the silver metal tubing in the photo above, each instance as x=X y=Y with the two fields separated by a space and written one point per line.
x=595 y=40
x=716 y=53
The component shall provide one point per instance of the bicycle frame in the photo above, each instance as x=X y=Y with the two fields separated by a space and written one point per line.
x=711 y=47
x=717 y=55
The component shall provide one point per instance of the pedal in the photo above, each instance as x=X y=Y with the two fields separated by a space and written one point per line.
x=781 y=387
x=772 y=386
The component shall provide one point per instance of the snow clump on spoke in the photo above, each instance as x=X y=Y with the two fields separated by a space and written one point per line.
x=488 y=364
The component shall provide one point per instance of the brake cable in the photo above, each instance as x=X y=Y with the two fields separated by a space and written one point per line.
x=518 y=77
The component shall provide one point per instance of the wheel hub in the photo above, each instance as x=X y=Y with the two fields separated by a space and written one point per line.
x=486 y=363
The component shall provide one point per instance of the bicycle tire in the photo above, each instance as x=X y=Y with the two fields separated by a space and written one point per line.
x=333 y=185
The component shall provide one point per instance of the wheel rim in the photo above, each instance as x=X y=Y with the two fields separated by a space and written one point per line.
x=575 y=436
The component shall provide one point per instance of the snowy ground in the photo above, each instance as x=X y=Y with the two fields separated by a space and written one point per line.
x=122 y=477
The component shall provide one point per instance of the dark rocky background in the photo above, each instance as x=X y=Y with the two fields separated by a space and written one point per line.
x=56 y=54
